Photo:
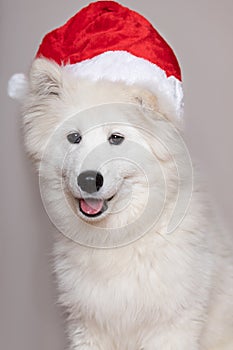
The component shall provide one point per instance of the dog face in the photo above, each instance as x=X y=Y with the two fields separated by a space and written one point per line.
x=103 y=165
x=100 y=149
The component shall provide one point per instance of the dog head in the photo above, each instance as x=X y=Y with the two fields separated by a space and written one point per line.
x=104 y=152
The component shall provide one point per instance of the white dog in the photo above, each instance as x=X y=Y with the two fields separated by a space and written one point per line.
x=110 y=165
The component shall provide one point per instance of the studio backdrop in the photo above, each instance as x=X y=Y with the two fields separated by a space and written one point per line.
x=201 y=34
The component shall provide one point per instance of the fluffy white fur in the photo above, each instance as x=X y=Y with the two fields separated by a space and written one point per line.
x=161 y=291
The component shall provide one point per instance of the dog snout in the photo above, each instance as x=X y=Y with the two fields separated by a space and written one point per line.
x=90 y=181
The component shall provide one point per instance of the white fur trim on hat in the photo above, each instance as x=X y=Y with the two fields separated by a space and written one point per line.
x=125 y=67
x=120 y=66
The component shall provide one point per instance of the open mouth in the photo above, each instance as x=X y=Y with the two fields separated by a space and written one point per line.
x=93 y=207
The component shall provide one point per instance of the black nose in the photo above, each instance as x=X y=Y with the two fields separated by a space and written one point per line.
x=90 y=181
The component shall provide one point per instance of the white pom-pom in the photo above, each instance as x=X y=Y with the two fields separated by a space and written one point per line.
x=18 y=86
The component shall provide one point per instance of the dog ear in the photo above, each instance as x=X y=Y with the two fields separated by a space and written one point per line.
x=145 y=98
x=148 y=101
x=45 y=78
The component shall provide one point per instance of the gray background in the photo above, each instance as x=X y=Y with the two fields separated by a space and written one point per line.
x=201 y=33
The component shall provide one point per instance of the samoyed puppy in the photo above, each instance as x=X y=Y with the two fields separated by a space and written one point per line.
x=140 y=260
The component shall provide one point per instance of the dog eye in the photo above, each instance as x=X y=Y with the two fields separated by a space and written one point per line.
x=116 y=139
x=74 y=137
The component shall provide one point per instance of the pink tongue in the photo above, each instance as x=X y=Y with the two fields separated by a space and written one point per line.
x=91 y=206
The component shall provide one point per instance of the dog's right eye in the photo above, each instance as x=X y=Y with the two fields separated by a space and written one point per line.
x=74 y=137
x=116 y=139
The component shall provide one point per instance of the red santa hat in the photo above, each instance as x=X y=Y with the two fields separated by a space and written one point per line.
x=108 y=41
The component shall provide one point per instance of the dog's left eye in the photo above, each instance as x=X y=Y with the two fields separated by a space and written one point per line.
x=116 y=139
x=74 y=137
